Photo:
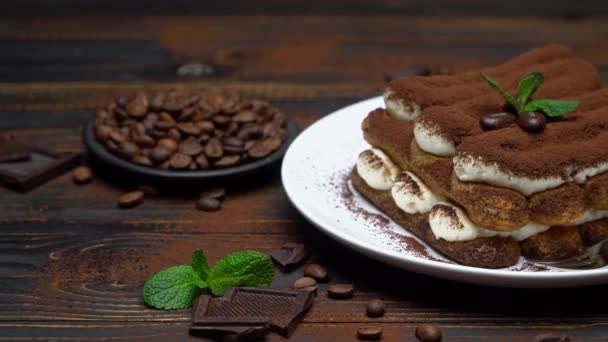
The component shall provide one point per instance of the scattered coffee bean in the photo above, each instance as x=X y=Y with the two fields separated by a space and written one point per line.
x=493 y=121
x=369 y=333
x=533 y=122
x=131 y=199
x=207 y=203
x=316 y=271
x=304 y=282
x=217 y=193
x=428 y=333
x=375 y=308
x=215 y=130
x=552 y=338
x=82 y=175
x=180 y=161
x=340 y=291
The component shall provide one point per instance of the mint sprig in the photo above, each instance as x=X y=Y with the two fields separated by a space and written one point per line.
x=177 y=286
x=528 y=85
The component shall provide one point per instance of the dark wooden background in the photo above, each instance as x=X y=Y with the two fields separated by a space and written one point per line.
x=72 y=265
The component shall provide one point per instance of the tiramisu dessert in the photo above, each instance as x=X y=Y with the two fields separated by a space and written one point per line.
x=487 y=167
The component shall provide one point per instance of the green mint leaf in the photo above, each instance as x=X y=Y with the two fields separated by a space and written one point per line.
x=239 y=269
x=510 y=99
x=552 y=108
x=528 y=85
x=200 y=263
x=173 y=288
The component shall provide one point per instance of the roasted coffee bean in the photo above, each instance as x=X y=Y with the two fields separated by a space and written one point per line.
x=180 y=161
x=214 y=149
x=102 y=132
x=128 y=150
x=159 y=154
x=304 y=282
x=278 y=119
x=188 y=128
x=164 y=165
x=232 y=128
x=232 y=141
x=227 y=161
x=263 y=148
x=269 y=130
x=190 y=147
x=120 y=113
x=533 y=122
x=250 y=132
x=116 y=136
x=233 y=150
x=170 y=144
x=112 y=146
x=82 y=175
x=156 y=102
x=205 y=126
x=203 y=138
x=131 y=199
x=177 y=102
x=206 y=203
x=125 y=131
x=552 y=338
x=245 y=117
x=156 y=133
x=316 y=271
x=375 y=308
x=145 y=141
x=221 y=120
x=369 y=333
x=164 y=125
x=138 y=107
x=193 y=166
x=249 y=144
x=187 y=113
x=340 y=291
x=493 y=121
x=202 y=161
x=174 y=134
x=217 y=193
x=428 y=333
x=142 y=160
x=164 y=116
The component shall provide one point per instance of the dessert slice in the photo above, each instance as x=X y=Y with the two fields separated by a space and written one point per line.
x=485 y=197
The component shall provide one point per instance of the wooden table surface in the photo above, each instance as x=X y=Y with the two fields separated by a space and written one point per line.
x=72 y=265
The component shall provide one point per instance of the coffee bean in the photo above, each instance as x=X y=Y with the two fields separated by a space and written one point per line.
x=202 y=161
x=187 y=113
x=190 y=147
x=250 y=132
x=316 y=271
x=269 y=130
x=131 y=199
x=428 y=333
x=340 y=291
x=156 y=102
x=145 y=141
x=180 y=161
x=249 y=144
x=233 y=141
x=164 y=116
x=159 y=154
x=263 y=148
x=164 y=165
x=227 y=161
x=142 y=160
x=188 y=128
x=233 y=150
x=304 y=282
x=138 y=128
x=178 y=101
x=375 y=308
x=116 y=136
x=278 y=119
x=138 y=107
x=493 y=121
x=221 y=120
x=206 y=203
x=174 y=134
x=112 y=146
x=533 y=122
x=102 y=132
x=217 y=193
x=128 y=150
x=170 y=144
x=369 y=333
x=552 y=338
x=164 y=125
x=214 y=149
x=82 y=175
x=245 y=117
x=205 y=126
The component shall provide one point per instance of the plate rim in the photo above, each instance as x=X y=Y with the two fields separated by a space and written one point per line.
x=398 y=259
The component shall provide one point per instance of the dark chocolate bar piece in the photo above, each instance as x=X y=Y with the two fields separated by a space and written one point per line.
x=290 y=255
x=41 y=166
x=282 y=309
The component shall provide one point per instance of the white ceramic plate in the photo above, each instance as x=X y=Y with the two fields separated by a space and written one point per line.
x=314 y=174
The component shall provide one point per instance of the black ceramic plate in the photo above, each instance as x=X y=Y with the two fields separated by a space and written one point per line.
x=99 y=154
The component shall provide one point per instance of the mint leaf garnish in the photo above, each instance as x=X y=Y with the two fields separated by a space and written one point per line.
x=246 y=268
x=528 y=86
x=173 y=288
x=552 y=108
x=200 y=263
x=510 y=99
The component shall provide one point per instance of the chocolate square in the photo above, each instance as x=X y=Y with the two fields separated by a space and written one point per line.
x=290 y=255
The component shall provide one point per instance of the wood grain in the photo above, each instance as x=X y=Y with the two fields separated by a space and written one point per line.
x=72 y=264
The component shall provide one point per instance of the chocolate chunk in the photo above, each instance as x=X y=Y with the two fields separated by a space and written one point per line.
x=340 y=291
x=82 y=175
x=41 y=166
x=207 y=203
x=409 y=71
x=282 y=309
x=290 y=255
x=428 y=333
x=316 y=271
x=131 y=199
x=369 y=333
x=375 y=308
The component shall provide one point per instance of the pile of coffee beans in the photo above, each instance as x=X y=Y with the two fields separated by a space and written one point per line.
x=190 y=131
